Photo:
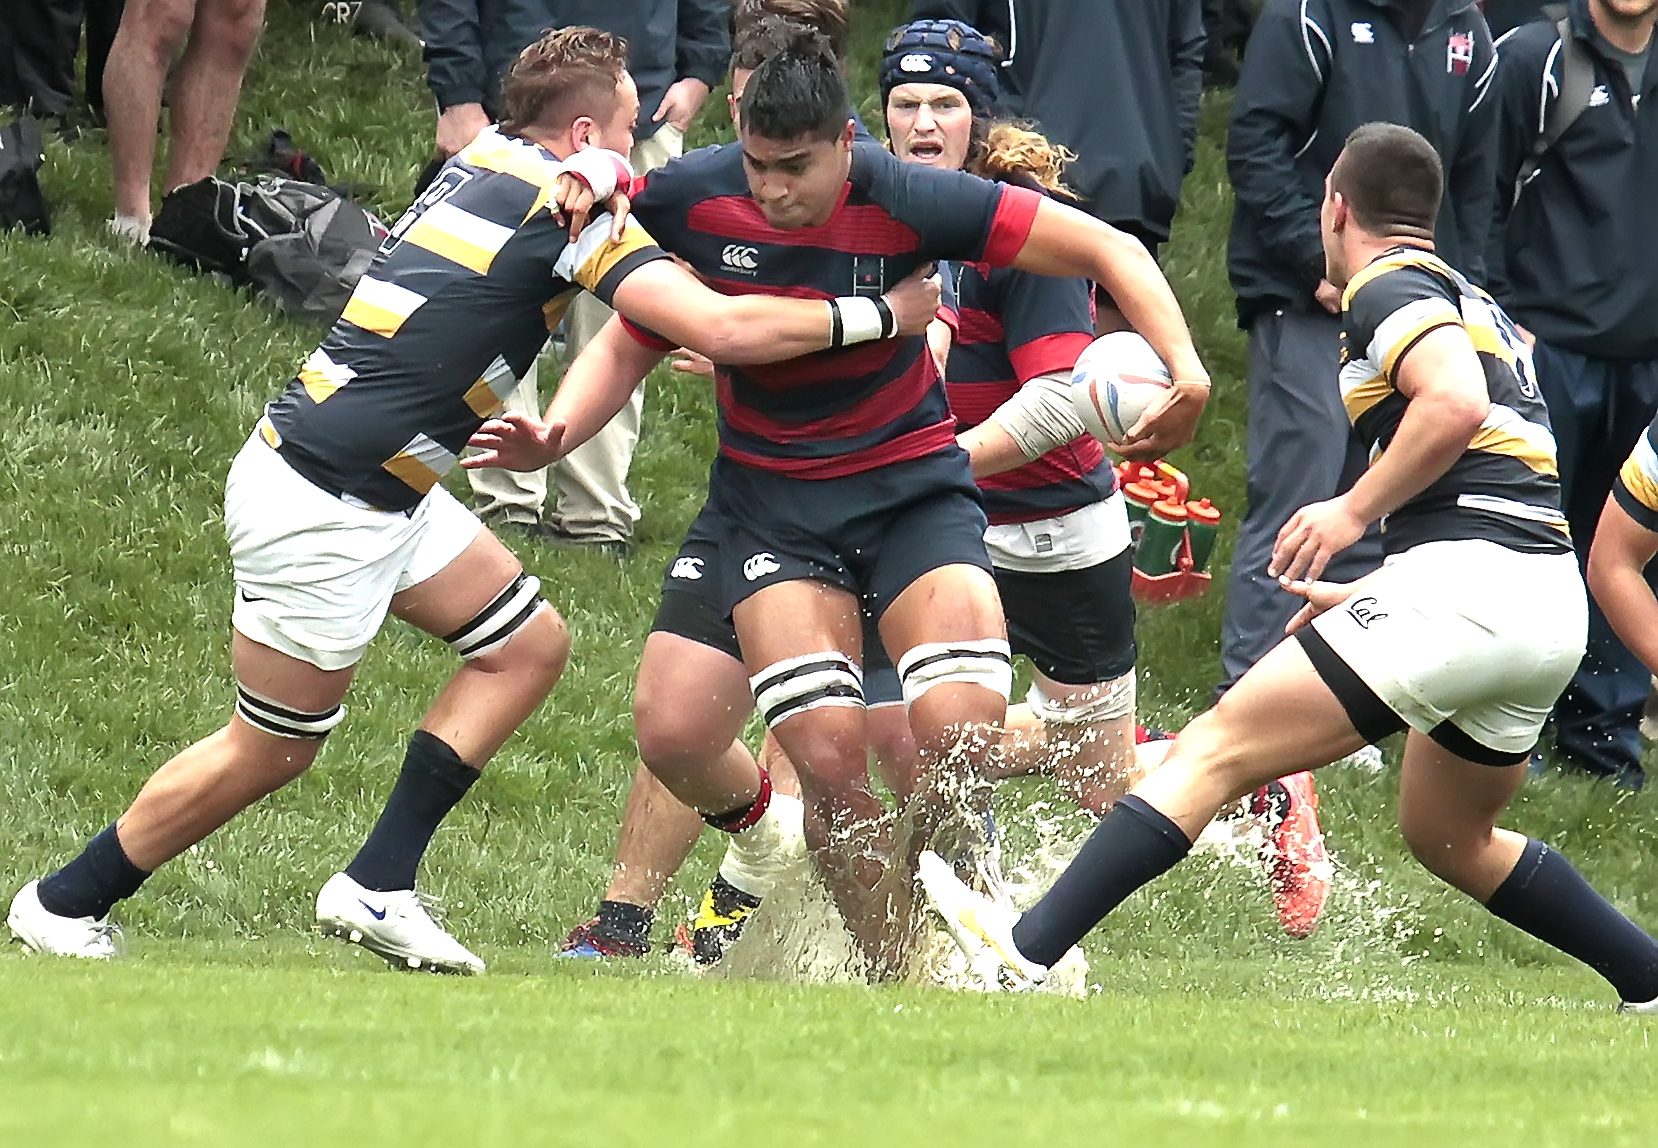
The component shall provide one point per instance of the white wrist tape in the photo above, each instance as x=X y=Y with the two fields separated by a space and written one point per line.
x=599 y=169
x=857 y=319
x=1040 y=416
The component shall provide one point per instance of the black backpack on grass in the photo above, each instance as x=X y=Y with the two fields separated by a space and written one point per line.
x=301 y=245
x=21 y=202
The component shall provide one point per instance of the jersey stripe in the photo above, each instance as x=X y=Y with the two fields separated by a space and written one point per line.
x=459 y=236
x=852 y=228
x=381 y=307
x=421 y=464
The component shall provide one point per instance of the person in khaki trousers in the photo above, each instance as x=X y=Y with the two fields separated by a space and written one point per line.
x=677 y=53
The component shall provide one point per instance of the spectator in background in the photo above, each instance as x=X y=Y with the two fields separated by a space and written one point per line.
x=1118 y=82
x=677 y=52
x=39 y=40
x=1574 y=261
x=1314 y=70
x=1503 y=16
x=217 y=38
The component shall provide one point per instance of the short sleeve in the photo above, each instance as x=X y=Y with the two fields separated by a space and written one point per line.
x=1389 y=314
x=1636 y=488
x=599 y=263
x=1047 y=322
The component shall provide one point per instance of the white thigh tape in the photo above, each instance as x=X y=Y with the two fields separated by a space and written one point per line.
x=983 y=662
x=263 y=714
x=1114 y=699
x=795 y=685
x=496 y=623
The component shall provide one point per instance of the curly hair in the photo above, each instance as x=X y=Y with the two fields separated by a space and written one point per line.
x=567 y=73
x=757 y=27
x=1012 y=151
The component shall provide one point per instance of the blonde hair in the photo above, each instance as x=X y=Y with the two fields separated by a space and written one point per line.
x=1012 y=149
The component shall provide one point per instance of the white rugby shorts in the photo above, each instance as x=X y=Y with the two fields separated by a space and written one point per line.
x=314 y=575
x=1078 y=540
x=1462 y=637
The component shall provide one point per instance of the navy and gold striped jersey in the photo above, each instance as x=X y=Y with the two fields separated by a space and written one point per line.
x=1505 y=488
x=459 y=300
x=1636 y=488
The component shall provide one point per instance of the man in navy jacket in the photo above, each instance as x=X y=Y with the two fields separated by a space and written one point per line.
x=1315 y=70
x=1574 y=260
x=677 y=52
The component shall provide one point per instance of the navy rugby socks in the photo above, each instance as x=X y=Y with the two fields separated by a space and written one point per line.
x=90 y=884
x=1546 y=897
x=1132 y=844
x=433 y=780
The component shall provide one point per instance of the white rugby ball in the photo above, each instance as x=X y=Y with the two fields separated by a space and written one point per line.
x=1116 y=380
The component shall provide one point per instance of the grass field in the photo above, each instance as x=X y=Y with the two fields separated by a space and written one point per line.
x=125 y=388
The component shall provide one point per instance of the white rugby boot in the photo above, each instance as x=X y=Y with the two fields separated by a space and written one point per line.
x=981 y=928
x=1631 y=1008
x=90 y=938
x=395 y=926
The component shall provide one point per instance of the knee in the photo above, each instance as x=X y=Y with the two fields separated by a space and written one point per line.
x=673 y=738
x=539 y=650
x=1443 y=850
x=232 y=27
x=155 y=31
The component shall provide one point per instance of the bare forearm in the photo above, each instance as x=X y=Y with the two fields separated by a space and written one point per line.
x=1628 y=603
x=599 y=383
x=990 y=449
x=1431 y=437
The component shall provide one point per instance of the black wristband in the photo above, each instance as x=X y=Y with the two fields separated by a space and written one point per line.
x=889 y=321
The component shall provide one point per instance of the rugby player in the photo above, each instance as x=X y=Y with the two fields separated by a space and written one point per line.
x=335 y=516
x=1464 y=637
x=1058 y=537
x=840 y=489
x=1625 y=541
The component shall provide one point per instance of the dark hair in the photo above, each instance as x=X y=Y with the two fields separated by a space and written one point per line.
x=797 y=92
x=567 y=73
x=1391 y=179
x=760 y=28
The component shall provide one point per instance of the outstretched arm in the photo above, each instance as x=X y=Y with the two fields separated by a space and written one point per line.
x=738 y=329
x=1065 y=242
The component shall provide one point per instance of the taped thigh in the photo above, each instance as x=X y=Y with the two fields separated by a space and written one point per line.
x=807 y=682
x=983 y=662
x=274 y=718
x=494 y=625
x=1112 y=701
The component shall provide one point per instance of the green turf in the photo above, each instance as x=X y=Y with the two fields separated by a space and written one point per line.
x=125 y=388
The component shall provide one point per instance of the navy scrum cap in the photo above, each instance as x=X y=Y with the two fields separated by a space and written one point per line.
x=943 y=52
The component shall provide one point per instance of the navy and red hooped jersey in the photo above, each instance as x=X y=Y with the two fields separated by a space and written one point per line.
x=836 y=412
x=1011 y=326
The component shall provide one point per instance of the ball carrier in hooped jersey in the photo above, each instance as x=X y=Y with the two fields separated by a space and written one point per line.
x=839 y=482
x=1059 y=533
x=1464 y=637
x=335 y=515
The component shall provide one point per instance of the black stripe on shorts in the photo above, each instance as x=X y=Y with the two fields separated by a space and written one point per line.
x=1373 y=718
x=1465 y=747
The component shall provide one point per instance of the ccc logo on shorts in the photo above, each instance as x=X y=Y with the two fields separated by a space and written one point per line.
x=688 y=568
x=760 y=565
x=740 y=258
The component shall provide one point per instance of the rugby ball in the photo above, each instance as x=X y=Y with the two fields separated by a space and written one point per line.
x=1116 y=380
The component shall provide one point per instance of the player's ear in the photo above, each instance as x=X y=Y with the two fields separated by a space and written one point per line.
x=847 y=135
x=582 y=131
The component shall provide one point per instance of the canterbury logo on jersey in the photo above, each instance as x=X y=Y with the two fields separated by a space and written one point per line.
x=689 y=569
x=737 y=257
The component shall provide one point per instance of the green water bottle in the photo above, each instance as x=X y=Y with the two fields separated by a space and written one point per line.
x=1139 y=497
x=1202 y=527
x=1161 y=540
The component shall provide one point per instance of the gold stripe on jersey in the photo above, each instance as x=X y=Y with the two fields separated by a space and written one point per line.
x=1640 y=473
x=590 y=258
x=381 y=307
x=517 y=158
x=554 y=309
x=1400 y=331
x=1409 y=257
x=321 y=376
x=489 y=394
x=459 y=236
x=1507 y=432
x=420 y=464
x=1362 y=388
